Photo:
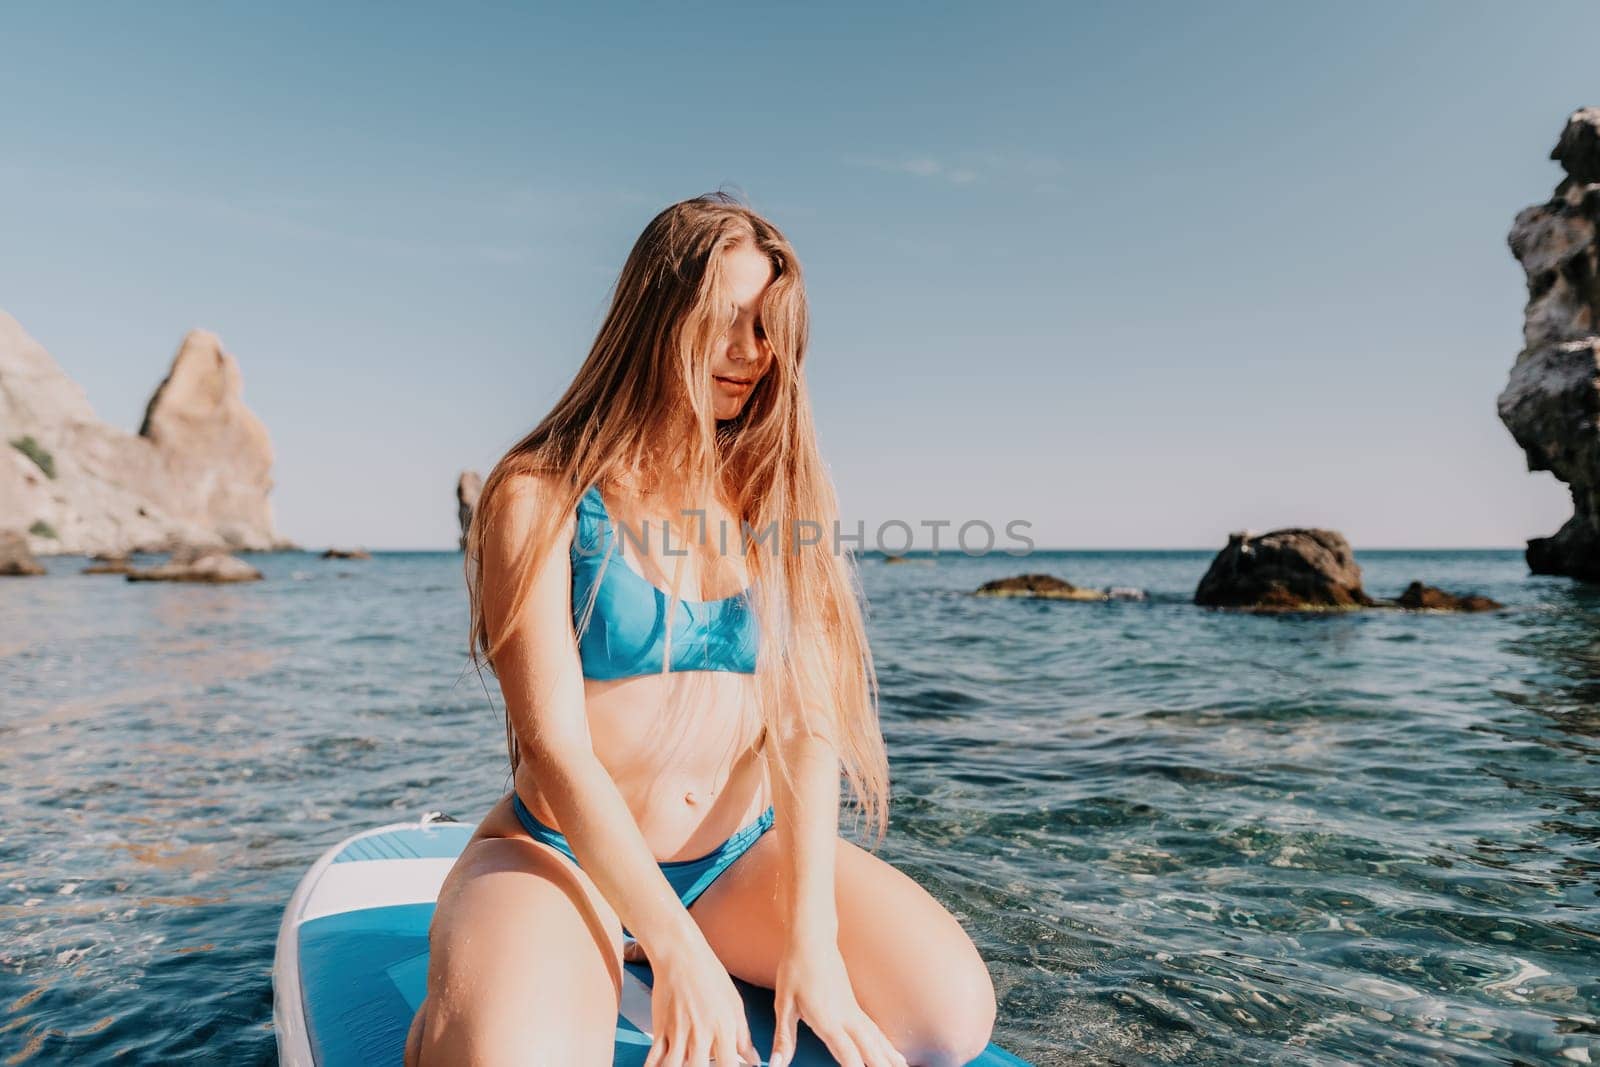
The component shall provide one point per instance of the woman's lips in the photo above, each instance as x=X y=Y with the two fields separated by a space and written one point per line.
x=732 y=384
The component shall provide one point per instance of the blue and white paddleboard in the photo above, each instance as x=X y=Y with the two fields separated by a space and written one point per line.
x=352 y=957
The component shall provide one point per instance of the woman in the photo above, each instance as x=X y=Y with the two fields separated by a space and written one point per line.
x=680 y=784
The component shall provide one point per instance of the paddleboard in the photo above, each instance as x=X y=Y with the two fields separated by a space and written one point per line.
x=351 y=965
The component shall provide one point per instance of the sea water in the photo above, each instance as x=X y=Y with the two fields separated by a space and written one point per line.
x=1176 y=835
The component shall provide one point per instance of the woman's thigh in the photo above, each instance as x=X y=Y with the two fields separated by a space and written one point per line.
x=914 y=970
x=524 y=962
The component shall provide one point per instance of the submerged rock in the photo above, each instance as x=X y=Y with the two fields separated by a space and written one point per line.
x=1047 y=586
x=1552 y=399
x=198 y=565
x=1292 y=569
x=16 y=559
x=1419 y=597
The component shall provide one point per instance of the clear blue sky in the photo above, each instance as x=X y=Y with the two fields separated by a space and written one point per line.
x=1139 y=274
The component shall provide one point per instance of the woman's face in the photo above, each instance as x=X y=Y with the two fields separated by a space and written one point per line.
x=743 y=355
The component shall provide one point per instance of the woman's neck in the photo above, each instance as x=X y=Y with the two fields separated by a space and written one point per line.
x=662 y=489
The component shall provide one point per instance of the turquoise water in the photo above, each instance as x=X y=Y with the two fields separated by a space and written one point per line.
x=1177 y=836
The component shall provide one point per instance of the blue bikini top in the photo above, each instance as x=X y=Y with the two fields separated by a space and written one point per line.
x=626 y=634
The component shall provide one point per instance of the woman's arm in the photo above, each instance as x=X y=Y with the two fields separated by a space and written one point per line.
x=806 y=821
x=812 y=982
x=695 y=1007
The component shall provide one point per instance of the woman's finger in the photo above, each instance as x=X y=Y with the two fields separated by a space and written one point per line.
x=876 y=1048
x=658 y=1049
x=725 y=1050
x=679 y=1039
x=747 y=1047
x=783 y=1033
x=696 y=1050
x=840 y=1044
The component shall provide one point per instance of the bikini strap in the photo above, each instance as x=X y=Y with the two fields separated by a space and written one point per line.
x=593 y=528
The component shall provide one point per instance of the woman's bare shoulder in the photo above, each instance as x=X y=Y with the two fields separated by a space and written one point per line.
x=524 y=500
x=532 y=486
x=524 y=566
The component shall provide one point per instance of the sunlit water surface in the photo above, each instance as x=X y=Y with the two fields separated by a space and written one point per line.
x=1177 y=835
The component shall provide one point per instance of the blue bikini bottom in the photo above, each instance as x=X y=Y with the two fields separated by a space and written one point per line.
x=688 y=878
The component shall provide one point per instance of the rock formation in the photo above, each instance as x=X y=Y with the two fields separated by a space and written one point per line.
x=347 y=553
x=1284 y=570
x=1308 y=570
x=196 y=473
x=109 y=563
x=1419 y=597
x=1551 y=404
x=198 y=565
x=1046 y=586
x=468 y=488
x=15 y=557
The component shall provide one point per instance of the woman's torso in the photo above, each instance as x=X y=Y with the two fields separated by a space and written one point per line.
x=678 y=745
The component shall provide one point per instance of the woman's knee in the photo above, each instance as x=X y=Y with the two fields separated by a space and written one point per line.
x=933 y=988
x=953 y=1017
x=952 y=1040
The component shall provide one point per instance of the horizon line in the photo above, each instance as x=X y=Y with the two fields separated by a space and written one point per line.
x=954 y=552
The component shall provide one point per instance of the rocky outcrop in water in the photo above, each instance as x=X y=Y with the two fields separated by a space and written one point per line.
x=1308 y=570
x=1046 y=586
x=1551 y=404
x=468 y=488
x=109 y=563
x=196 y=473
x=16 y=560
x=198 y=565
x=1419 y=597
x=1284 y=570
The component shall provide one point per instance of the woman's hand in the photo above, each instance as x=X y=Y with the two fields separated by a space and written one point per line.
x=695 y=1011
x=812 y=985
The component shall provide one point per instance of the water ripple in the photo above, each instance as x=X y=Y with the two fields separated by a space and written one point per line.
x=1178 y=836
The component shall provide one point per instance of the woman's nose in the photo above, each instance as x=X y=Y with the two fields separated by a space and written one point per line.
x=742 y=346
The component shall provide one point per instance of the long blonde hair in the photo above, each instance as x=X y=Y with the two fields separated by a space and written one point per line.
x=642 y=402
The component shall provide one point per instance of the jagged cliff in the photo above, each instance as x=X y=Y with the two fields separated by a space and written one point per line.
x=469 y=487
x=198 y=472
x=1551 y=405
